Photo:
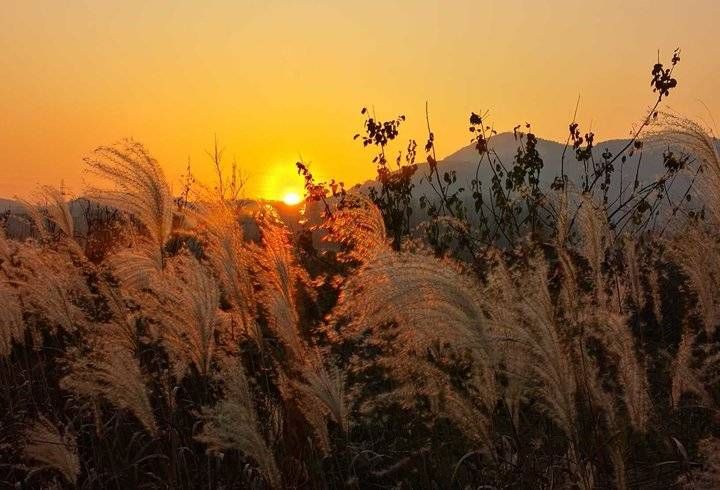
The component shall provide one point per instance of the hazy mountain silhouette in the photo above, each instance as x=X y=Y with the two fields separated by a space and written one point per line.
x=10 y=205
x=465 y=162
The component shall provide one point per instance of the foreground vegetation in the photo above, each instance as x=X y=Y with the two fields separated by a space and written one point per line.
x=554 y=338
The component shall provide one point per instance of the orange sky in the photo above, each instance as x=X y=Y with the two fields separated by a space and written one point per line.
x=277 y=80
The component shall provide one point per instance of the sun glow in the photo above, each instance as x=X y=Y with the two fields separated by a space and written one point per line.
x=291 y=198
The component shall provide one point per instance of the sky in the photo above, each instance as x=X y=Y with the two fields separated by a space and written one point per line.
x=280 y=80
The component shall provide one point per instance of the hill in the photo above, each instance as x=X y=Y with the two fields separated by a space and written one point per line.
x=464 y=162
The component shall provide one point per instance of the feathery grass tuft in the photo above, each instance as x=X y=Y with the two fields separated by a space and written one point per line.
x=137 y=186
x=46 y=445
x=11 y=320
x=233 y=424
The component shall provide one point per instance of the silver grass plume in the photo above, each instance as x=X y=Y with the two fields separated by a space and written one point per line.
x=570 y=298
x=562 y=223
x=51 y=207
x=111 y=373
x=685 y=377
x=233 y=423
x=57 y=209
x=50 y=448
x=609 y=410
x=186 y=307
x=610 y=327
x=428 y=296
x=358 y=225
x=698 y=254
x=596 y=236
x=596 y=319
x=278 y=275
x=36 y=217
x=617 y=338
x=137 y=267
x=231 y=260
x=655 y=293
x=109 y=369
x=324 y=389
x=137 y=186
x=53 y=286
x=591 y=317
x=429 y=300
x=5 y=249
x=632 y=273
x=12 y=327
x=523 y=312
x=682 y=134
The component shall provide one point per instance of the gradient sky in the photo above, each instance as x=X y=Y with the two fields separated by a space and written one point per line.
x=276 y=80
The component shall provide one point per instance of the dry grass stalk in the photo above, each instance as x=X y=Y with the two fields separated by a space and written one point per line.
x=278 y=275
x=137 y=186
x=359 y=226
x=11 y=321
x=232 y=261
x=109 y=369
x=429 y=301
x=682 y=135
x=46 y=445
x=233 y=423
x=186 y=307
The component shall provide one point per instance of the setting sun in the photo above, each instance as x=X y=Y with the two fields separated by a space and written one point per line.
x=291 y=198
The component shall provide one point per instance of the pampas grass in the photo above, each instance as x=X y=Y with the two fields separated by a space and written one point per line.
x=278 y=276
x=49 y=448
x=220 y=358
x=11 y=321
x=108 y=368
x=428 y=301
x=53 y=287
x=527 y=318
x=137 y=186
x=186 y=306
x=681 y=134
x=232 y=261
x=233 y=425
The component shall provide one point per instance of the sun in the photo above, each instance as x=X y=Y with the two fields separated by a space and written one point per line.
x=291 y=198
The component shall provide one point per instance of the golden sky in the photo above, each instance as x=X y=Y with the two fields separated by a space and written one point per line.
x=277 y=80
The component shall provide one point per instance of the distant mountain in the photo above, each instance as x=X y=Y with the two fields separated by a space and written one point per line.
x=10 y=205
x=465 y=161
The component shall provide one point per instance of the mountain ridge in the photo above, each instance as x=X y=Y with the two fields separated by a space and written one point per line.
x=464 y=161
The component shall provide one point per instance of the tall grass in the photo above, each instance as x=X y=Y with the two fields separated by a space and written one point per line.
x=193 y=355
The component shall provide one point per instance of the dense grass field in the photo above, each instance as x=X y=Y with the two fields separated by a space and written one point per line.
x=561 y=337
